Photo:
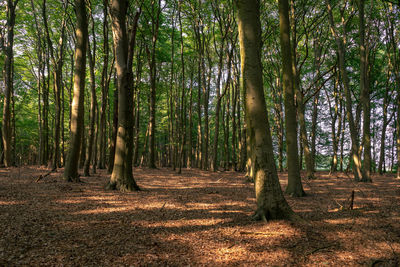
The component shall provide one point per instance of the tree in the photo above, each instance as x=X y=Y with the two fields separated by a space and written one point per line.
x=365 y=95
x=9 y=83
x=295 y=187
x=93 y=100
x=77 y=110
x=271 y=203
x=154 y=14
x=346 y=84
x=122 y=176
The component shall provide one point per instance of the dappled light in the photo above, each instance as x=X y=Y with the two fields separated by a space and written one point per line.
x=193 y=219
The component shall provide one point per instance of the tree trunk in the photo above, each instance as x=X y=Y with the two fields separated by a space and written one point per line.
x=122 y=176
x=365 y=99
x=155 y=19
x=384 y=126
x=9 y=83
x=104 y=90
x=114 y=128
x=271 y=203
x=349 y=105
x=295 y=187
x=93 y=102
x=77 y=119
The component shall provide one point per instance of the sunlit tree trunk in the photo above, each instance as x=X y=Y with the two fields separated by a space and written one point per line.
x=122 y=175
x=77 y=111
x=271 y=203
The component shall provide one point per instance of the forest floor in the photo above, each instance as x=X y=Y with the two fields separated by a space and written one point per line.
x=196 y=218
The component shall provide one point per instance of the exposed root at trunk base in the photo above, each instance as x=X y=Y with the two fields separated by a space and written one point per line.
x=280 y=214
x=122 y=187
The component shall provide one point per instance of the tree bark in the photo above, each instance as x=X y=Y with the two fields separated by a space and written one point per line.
x=271 y=203
x=93 y=102
x=155 y=18
x=104 y=89
x=122 y=175
x=365 y=98
x=9 y=84
x=71 y=168
x=295 y=187
x=349 y=105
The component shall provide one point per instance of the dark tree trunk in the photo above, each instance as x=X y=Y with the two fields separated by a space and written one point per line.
x=8 y=80
x=295 y=187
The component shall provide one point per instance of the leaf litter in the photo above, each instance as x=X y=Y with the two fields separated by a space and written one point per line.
x=196 y=218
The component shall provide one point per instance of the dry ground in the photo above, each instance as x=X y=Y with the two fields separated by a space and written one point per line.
x=195 y=218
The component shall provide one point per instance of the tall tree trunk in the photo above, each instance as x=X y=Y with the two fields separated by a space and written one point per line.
x=155 y=18
x=114 y=128
x=93 y=101
x=104 y=89
x=122 y=176
x=384 y=126
x=295 y=187
x=8 y=81
x=182 y=127
x=77 y=119
x=349 y=105
x=365 y=99
x=271 y=203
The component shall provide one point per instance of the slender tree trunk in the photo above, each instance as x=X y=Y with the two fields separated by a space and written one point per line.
x=182 y=129
x=190 y=137
x=155 y=18
x=384 y=127
x=71 y=168
x=8 y=78
x=295 y=187
x=104 y=89
x=365 y=99
x=114 y=128
x=93 y=102
x=349 y=106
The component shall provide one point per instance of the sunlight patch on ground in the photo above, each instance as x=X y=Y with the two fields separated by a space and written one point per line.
x=184 y=223
x=104 y=210
x=12 y=202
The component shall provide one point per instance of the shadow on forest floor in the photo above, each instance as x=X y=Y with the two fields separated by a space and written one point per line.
x=193 y=218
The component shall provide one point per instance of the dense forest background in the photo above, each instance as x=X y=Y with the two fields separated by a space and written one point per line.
x=187 y=105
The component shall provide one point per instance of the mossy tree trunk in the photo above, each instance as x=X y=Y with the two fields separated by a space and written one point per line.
x=271 y=203
x=295 y=187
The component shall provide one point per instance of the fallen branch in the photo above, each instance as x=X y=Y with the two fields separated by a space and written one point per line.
x=45 y=175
